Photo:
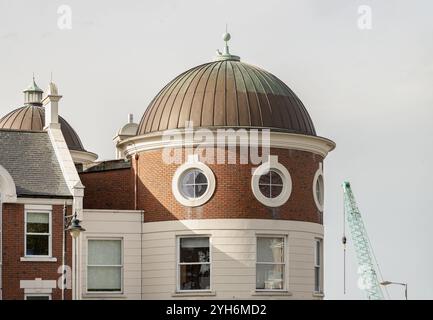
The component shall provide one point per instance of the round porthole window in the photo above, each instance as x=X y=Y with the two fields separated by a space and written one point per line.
x=271 y=183
x=193 y=183
x=318 y=189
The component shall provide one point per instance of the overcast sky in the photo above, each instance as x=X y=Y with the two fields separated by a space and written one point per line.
x=369 y=90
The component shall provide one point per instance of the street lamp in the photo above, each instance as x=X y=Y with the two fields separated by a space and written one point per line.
x=74 y=227
x=387 y=283
x=71 y=224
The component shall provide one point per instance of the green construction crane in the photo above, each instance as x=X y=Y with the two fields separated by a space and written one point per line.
x=368 y=280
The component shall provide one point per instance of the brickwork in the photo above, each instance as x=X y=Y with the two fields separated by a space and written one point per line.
x=233 y=197
x=110 y=189
x=15 y=270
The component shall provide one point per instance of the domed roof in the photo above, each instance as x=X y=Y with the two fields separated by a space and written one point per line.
x=32 y=118
x=227 y=93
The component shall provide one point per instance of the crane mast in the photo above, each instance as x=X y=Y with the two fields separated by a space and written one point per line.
x=368 y=280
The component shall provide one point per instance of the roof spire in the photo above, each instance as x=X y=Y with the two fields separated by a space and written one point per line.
x=225 y=55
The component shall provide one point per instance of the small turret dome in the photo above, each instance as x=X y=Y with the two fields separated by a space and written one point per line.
x=32 y=118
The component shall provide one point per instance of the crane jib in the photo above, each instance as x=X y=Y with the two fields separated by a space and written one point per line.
x=368 y=280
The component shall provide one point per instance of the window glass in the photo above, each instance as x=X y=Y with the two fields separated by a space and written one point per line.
x=104 y=252
x=318 y=266
x=271 y=184
x=270 y=263
x=104 y=265
x=38 y=222
x=319 y=189
x=193 y=184
x=194 y=263
x=37 y=233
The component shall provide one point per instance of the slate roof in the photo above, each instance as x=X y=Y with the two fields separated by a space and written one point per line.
x=30 y=159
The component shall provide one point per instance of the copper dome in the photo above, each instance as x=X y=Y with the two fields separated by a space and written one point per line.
x=227 y=93
x=32 y=118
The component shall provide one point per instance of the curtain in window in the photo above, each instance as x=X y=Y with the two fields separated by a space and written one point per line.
x=270 y=263
x=38 y=217
x=104 y=272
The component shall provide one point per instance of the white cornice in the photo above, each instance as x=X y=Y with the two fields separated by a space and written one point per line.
x=281 y=140
x=83 y=156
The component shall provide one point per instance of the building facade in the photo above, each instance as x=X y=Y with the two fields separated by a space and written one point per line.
x=217 y=193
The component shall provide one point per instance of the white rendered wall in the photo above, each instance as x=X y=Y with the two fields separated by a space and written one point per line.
x=233 y=255
x=122 y=224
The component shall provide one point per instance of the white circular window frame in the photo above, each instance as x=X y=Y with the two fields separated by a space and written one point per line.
x=193 y=163
x=272 y=164
x=319 y=173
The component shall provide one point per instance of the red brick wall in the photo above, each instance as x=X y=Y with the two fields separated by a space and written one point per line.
x=111 y=189
x=13 y=249
x=233 y=197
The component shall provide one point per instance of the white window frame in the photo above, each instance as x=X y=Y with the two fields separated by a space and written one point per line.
x=318 y=265
x=193 y=163
x=178 y=263
x=26 y=295
x=121 y=291
x=50 y=234
x=285 y=263
x=274 y=165
x=317 y=175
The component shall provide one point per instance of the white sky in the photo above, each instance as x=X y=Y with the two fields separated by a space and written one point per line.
x=371 y=91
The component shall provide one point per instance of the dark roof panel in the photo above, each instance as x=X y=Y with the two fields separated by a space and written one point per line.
x=30 y=159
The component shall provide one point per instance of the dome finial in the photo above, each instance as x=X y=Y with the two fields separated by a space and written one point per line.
x=225 y=55
x=226 y=39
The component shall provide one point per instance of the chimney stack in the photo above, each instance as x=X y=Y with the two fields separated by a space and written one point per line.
x=51 y=104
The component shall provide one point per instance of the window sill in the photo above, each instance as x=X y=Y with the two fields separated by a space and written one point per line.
x=102 y=295
x=271 y=293
x=193 y=294
x=318 y=294
x=38 y=259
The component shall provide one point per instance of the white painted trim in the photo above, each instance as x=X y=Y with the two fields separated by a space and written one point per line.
x=272 y=164
x=38 y=286
x=184 y=227
x=105 y=211
x=272 y=293
x=83 y=156
x=152 y=141
x=7 y=187
x=50 y=234
x=318 y=173
x=190 y=293
x=43 y=201
x=193 y=163
x=38 y=259
x=38 y=207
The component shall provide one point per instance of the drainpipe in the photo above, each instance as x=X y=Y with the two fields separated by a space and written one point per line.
x=63 y=252
x=1 y=248
x=136 y=182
